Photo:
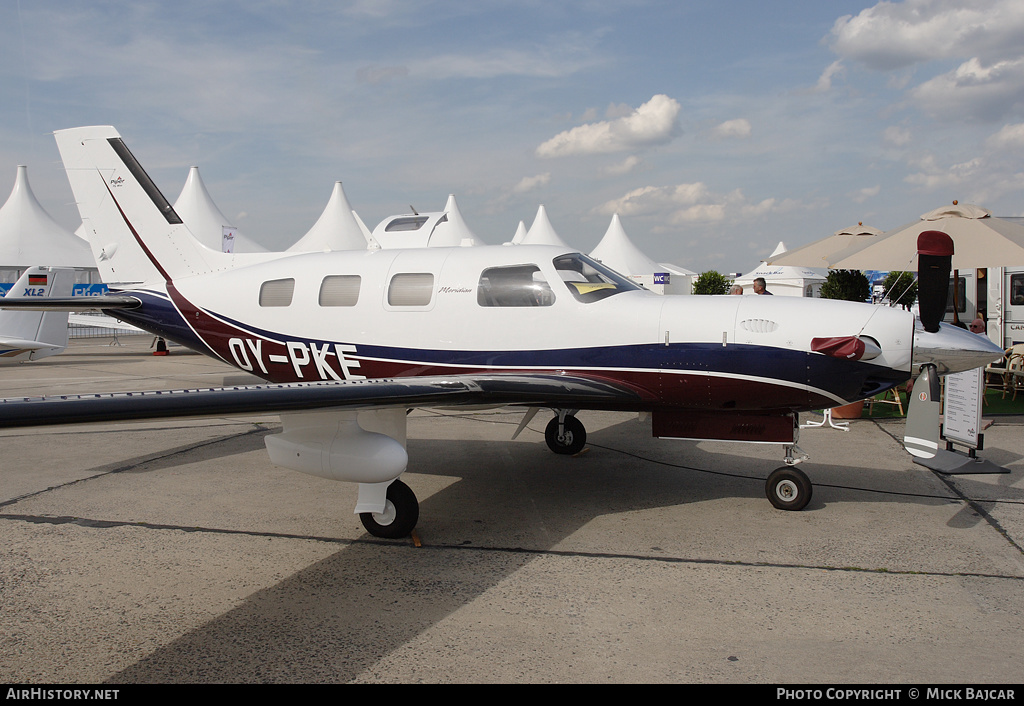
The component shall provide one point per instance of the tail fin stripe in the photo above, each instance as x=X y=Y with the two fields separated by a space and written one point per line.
x=135 y=234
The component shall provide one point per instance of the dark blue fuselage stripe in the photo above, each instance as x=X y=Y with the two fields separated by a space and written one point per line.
x=845 y=379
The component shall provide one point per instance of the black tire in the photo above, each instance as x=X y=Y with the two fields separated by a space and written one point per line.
x=788 y=488
x=572 y=441
x=400 y=515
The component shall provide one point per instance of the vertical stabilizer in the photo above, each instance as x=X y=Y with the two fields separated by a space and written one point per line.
x=135 y=234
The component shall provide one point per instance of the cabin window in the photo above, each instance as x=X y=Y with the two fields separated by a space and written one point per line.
x=518 y=285
x=411 y=289
x=277 y=292
x=340 y=290
x=406 y=223
x=589 y=280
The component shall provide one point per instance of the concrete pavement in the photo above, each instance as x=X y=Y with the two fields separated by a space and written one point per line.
x=174 y=552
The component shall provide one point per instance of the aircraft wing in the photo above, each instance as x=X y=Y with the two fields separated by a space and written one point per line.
x=541 y=390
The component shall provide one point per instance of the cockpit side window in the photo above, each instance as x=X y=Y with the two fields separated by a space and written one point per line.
x=589 y=280
x=518 y=285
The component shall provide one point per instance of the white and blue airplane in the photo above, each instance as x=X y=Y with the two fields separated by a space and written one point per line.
x=349 y=341
x=32 y=335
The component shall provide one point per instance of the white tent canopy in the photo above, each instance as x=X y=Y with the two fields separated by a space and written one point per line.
x=787 y=280
x=336 y=229
x=197 y=209
x=618 y=252
x=520 y=234
x=29 y=236
x=542 y=232
x=453 y=232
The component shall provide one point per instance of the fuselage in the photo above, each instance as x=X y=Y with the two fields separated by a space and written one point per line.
x=394 y=313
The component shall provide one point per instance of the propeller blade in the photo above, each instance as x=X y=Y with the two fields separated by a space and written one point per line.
x=935 y=259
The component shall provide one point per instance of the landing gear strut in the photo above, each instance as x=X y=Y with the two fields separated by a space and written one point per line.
x=565 y=434
x=401 y=512
x=788 y=488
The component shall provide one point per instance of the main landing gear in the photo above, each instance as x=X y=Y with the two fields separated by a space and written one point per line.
x=565 y=434
x=787 y=488
x=401 y=512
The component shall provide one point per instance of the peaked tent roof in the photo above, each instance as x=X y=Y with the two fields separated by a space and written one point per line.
x=204 y=219
x=454 y=231
x=29 y=236
x=676 y=269
x=542 y=232
x=618 y=252
x=520 y=234
x=336 y=229
x=782 y=279
x=791 y=279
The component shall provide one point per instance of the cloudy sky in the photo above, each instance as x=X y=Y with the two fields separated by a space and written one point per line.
x=715 y=129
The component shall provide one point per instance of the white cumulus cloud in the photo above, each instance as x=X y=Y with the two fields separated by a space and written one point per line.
x=735 y=129
x=891 y=35
x=692 y=203
x=654 y=122
x=831 y=71
x=624 y=167
x=897 y=136
x=530 y=183
x=1009 y=137
x=974 y=89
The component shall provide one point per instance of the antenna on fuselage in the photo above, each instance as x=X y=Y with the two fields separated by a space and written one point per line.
x=414 y=211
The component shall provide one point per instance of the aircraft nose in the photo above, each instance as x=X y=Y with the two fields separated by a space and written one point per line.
x=953 y=349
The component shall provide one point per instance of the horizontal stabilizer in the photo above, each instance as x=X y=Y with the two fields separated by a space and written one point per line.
x=24 y=345
x=107 y=301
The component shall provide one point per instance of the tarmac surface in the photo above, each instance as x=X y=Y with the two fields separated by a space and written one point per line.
x=173 y=551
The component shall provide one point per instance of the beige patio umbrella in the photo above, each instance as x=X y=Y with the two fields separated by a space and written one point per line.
x=979 y=239
x=817 y=254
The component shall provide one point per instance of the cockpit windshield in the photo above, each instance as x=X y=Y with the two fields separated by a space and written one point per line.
x=589 y=280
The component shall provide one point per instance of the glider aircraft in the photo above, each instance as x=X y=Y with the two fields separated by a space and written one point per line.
x=349 y=341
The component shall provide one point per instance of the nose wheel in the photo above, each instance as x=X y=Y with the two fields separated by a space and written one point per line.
x=565 y=435
x=788 y=488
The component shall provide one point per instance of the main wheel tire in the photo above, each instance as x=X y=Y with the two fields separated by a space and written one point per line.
x=572 y=440
x=401 y=513
x=788 y=489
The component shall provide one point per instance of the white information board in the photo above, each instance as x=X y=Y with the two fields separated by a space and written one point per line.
x=961 y=412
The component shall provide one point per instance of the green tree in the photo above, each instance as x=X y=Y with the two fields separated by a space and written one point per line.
x=901 y=288
x=850 y=285
x=711 y=282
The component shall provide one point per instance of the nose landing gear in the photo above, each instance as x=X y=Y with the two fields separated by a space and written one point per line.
x=788 y=488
